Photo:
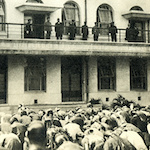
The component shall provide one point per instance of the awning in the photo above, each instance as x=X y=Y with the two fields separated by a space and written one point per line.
x=36 y=7
x=140 y=15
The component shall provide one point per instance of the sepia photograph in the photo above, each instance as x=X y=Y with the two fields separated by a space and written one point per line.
x=74 y=75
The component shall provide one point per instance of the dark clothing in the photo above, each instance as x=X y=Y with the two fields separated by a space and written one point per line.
x=48 y=29
x=131 y=34
x=72 y=31
x=95 y=31
x=59 y=29
x=127 y=34
x=28 y=30
x=85 y=32
x=113 y=31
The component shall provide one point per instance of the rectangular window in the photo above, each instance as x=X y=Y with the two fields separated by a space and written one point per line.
x=106 y=73
x=35 y=74
x=138 y=74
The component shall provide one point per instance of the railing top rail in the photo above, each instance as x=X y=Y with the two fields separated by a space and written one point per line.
x=22 y=24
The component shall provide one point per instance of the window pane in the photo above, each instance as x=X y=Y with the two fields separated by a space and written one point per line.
x=34 y=83
x=139 y=83
x=104 y=18
x=106 y=73
x=1 y=11
x=70 y=12
x=35 y=74
x=105 y=83
x=138 y=74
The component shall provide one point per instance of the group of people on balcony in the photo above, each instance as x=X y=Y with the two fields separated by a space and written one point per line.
x=131 y=31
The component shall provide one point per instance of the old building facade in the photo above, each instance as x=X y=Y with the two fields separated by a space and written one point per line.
x=35 y=70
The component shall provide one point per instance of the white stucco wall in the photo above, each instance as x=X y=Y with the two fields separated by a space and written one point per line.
x=122 y=83
x=119 y=7
x=16 y=93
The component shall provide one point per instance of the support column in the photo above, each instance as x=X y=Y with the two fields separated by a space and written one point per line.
x=122 y=74
x=92 y=75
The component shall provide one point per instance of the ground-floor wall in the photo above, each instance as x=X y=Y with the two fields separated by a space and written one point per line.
x=122 y=83
x=16 y=93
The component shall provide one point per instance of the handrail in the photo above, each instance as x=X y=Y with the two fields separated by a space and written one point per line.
x=17 y=30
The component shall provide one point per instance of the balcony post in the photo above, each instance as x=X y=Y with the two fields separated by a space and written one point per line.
x=148 y=33
x=21 y=32
x=7 y=30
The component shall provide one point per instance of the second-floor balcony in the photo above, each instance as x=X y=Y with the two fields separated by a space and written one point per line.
x=18 y=31
x=13 y=40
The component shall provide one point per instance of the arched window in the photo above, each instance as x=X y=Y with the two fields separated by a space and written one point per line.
x=136 y=8
x=2 y=15
x=104 y=17
x=70 y=12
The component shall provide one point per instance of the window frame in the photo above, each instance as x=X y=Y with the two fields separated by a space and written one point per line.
x=104 y=24
x=103 y=63
x=65 y=18
x=2 y=26
x=38 y=72
x=142 y=63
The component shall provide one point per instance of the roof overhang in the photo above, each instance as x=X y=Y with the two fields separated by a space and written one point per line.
x=140 y=15
x=37 y=8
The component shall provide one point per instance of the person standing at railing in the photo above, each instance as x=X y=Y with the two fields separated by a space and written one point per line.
x=59 y=29
x=127 y=32
x=95 y=32
x=28 y=29
x=47 y=28
x=132 y=33
x=72 y=30
x=113 y=31
x=85 y=31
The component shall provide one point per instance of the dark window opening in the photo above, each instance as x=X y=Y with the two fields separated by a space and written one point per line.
x=106 y=73
x=35 y=74
x=138 y=74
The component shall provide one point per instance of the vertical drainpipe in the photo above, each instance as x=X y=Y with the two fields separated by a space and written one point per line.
x=85 y=10
x=148 y=33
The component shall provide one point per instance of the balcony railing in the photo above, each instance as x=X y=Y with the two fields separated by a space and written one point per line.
x=18 y=31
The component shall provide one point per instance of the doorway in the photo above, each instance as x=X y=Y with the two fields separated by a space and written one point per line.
x=71 y=79
x=140 y=25
x=38 y=25
x=3 y=72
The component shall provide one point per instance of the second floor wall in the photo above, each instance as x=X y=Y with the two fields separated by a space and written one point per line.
x=118 y=8
x=104 y=12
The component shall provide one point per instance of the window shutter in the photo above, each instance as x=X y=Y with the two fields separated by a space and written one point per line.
x=105 y=15
x=1 y=11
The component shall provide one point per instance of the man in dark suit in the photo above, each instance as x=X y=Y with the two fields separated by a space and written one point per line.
x=59 y=29
x=28 y=29
x=72 y=30
x=85 y=31
x=113 y=31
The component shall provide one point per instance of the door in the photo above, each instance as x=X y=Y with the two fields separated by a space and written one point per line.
x=71 y=79
x=140 y=25
x=38 y=25
x=3 y=70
